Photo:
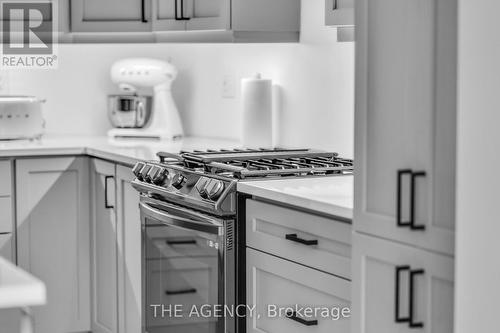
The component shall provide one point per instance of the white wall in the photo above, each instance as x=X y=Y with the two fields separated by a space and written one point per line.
x=478 y=183
x=316 y=76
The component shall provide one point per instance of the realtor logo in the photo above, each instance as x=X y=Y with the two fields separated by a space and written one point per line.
x=28 y=34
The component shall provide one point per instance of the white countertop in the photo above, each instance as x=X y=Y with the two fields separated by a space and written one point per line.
x=18 y=288
x=328 y=195
x=125 y=151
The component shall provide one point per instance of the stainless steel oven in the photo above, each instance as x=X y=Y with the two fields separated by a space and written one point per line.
x=188 y=269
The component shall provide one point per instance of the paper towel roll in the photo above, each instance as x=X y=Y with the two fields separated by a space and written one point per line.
x=257 y=108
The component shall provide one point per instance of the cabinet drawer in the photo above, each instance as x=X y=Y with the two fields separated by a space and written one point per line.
x=276 y=282
x=5 y=178
x=268 y=227
x=5 y=214
x=6 y=246
x=393 y=282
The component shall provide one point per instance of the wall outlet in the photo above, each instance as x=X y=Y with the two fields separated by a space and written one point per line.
x=228 y=86
x=4 y=82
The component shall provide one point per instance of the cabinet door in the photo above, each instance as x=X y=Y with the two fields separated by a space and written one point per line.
x=339 y=12
x=129 y=252
x=165 y=17
x=104 y=250
x=405 y=119
x=53 y=238
x=272 y=281
x=110 y=16
x=376 y=294
x=209 y=15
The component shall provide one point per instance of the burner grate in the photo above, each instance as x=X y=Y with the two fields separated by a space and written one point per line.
x=254 y=163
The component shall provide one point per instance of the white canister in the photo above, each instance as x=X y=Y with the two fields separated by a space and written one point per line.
x=257 y=108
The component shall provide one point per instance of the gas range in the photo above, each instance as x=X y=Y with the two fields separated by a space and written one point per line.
x=206 y=180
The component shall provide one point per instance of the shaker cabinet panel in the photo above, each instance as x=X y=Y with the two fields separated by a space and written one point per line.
x=396 y=287
x=129 y=252
x=110 y=15
x=405 y=121
x=272 y=281
x=209 y=15
x=339 y=12
x=103 y=248
x=52 y=207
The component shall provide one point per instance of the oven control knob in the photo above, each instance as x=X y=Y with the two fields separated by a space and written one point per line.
x=160 y=176
x=136 y=170
x=144 y=172
x=214 y=189
x=179 y=181
x=152 y=173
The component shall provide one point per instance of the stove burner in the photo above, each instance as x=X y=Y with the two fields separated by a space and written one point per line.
x=255 y=163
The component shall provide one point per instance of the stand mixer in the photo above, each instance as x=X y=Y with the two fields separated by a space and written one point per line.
x=133 y=73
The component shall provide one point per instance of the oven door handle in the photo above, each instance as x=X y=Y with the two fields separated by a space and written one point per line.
x=182 y=222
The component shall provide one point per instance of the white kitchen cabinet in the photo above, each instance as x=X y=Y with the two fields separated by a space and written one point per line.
x=110 y=16
x=52 y=205
x=376 y=294
x=191 y=15
x=311 y=240
x=104 y=255
x=405 y=121
x=272 y=281
x=339 y=12
x=129 y=252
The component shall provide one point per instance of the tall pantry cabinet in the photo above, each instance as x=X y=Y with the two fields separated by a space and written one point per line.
x=405 y=125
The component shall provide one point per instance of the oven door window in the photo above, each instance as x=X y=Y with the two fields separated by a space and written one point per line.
x=183 y=272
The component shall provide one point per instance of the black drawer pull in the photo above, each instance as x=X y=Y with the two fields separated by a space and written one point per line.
x=106 y=204
x=143 y=11
x=180 y=292
x=295 y=238
x=293 y=316
x=411 y=286
x=413 y=273
x=181 y=242
x=177 y=17
x=399 y=214
x=399 y=219
x=414 y=226
x=397 y=316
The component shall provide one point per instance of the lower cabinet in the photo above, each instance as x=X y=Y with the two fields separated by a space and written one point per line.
x=104 y=258
x=399 y=288
x=275 y=284
x=116 y=250
x=129 y=253
x=52 y=204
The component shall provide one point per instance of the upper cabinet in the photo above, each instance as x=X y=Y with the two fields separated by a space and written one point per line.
x=168 y=20
x=406 y=121
x=110 y=16
x=339 y=12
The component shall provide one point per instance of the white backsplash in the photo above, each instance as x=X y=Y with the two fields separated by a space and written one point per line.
x=316 y=79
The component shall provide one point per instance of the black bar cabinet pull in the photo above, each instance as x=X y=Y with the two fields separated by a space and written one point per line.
x=106 y=205
x=180 y=292
x=295 y=238
x=413 y=273
x=181 y=17
x=399 y=190
x=397 y=316
x=293 y=316
x=335 y=5
x=143 y=11
x=181 y=242
x=414 y=226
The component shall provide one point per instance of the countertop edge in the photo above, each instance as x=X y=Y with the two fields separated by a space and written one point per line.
x=295 y=201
